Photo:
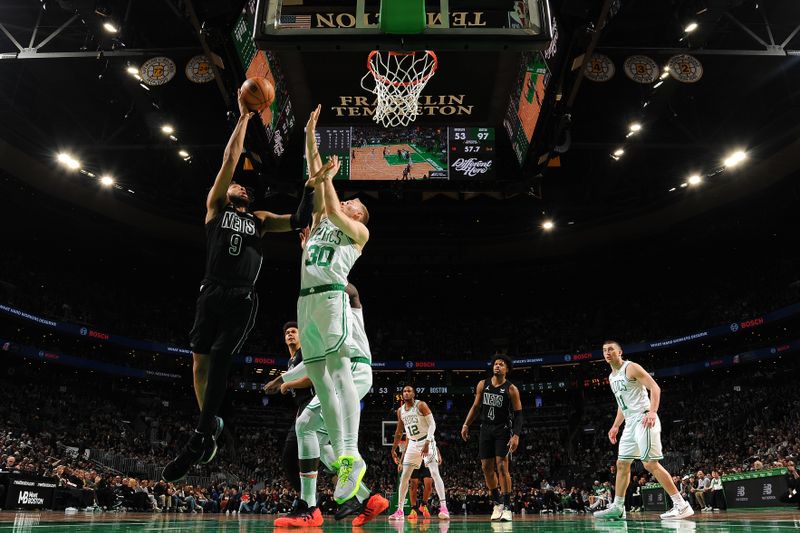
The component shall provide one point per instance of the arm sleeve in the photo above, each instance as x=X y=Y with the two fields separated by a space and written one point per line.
x=517 y=426
x=298 y=372
x=302 y=217
x=431 y=426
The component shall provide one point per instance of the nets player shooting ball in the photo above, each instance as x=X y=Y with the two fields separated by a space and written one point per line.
x=228 y=302
x=641 y=438
x=501 y=422
x=338 y=235
x=415 y=418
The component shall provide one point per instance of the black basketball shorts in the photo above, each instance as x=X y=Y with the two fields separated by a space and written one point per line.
x=223 y=319
x=493 y=441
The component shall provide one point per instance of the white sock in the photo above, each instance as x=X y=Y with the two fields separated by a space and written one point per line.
x=437 y=481
x=308 y=488
x=619 y=501
x=363 y=493
x=350 y=403
x=677 y=500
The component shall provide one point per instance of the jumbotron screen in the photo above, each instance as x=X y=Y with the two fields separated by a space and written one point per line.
x=412 y=154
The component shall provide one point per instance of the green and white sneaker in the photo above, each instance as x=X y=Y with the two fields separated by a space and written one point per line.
x=614 y=512
x=351 y=472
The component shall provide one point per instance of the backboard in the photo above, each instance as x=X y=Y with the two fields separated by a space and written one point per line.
x=450 y=25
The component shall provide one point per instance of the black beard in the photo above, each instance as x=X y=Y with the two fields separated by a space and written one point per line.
x=239 y=202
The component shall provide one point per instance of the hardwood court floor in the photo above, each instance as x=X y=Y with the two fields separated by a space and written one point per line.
x=756 y=521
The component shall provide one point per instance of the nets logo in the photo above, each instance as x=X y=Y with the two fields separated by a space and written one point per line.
x=30 y=498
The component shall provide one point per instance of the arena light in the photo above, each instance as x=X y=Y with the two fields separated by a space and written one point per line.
x=133 y=71
x=107 y=181
x=659 y=84
x=672 y=189
x=684 y=185
x=183 y=153
x=110 y=28
x=548 y=225
x=695 y=180
x=143 y=86
x=690 y=27
x=735 y=158
x=635 y=127
x=68 y=161
x=664 y=75
x=166 y=128
x=619 y=151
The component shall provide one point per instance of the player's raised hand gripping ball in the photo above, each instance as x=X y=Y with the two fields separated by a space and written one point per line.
x=258 y=94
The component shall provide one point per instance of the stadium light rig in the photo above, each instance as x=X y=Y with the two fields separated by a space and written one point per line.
x=690 y=27
x=68 y=161
x=107 y=181
x=734 y=159
x=695 y=180
x=548 y=225
x=110 y=28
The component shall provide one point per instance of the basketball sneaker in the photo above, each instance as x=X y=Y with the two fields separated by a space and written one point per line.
x=210 y=445
x=398 y=515
x=425 y=512
x=444 y=514
x=351 y=472
x=189 y=456
x=413 y=514
x=497 y=512
x=372 y=509
x=507 y=515
x=677 y=513
x=301 y=516
x=613 y=512
x=348 y=508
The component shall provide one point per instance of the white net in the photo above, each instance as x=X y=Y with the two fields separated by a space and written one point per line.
x=397 y=81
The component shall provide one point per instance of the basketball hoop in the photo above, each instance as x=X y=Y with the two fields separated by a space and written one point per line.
x=399 y=78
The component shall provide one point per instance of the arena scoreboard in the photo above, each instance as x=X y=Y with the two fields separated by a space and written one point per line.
x=471 y=152
x=413 y=153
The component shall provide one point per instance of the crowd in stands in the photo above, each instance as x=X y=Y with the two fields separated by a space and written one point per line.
x=759 y=405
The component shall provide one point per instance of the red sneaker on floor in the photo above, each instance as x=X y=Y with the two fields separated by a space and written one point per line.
x=302 y=518
x=372 y=509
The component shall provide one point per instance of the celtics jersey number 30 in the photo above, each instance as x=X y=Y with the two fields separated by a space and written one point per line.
x=328 y=257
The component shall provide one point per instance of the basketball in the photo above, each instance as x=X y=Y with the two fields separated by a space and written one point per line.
x=258 y=94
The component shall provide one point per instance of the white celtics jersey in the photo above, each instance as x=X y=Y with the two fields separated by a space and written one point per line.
x=415 y=424
x=358 y=336
x=631 y=395
x=328 y=256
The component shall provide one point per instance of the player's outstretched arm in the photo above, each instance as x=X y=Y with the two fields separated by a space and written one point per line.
x=354 y=229
x=314 y=161
x=218 y=193
x=272 y=223
x=476 y=404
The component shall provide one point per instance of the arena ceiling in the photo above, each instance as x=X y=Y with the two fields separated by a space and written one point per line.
x=74 y=94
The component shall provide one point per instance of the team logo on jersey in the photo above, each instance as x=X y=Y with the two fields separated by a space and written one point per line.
x=157 y=71
x=242 y=225
x=493 y=400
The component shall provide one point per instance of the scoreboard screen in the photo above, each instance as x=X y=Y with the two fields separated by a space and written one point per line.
x=471 y=153
x=413 y=154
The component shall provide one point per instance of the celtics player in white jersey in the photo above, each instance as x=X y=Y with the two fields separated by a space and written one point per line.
x=313 y=441
x=415 y=418
x=338 y=235
x=641 y=438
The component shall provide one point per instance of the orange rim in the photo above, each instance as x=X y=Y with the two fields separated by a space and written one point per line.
x=387 y=81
